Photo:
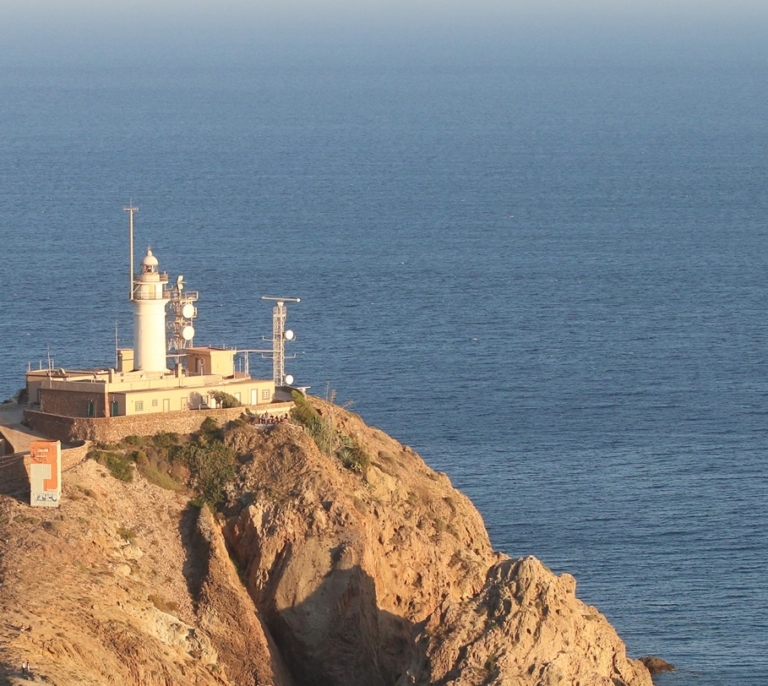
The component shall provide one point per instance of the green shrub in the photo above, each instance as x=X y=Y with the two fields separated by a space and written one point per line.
x=119 y=465
x=225 y=399
x=353 y=456
x=212 y=467
x=133 y=440
x=209 y=431
x=319 y=427
x=159 y=478
x=302 y=412
x=327 y=437
x=165 y=439
x=140 y=458
x=176 y=453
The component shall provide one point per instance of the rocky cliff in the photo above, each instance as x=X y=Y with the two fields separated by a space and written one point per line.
x=314 y=571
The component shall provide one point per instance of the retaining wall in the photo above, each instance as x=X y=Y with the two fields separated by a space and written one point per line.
x=113 y=429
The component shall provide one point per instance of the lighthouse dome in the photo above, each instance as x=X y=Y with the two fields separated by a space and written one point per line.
x=149 y=263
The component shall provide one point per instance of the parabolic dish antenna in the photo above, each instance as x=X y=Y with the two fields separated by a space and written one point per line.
x=188 y=311
x=188 y=332
x=288 y=335
x=288 y=379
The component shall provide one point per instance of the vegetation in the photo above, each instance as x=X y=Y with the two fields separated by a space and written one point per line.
x=353 y=456
x=203 y=463
x=118 y=464
x=328 y=438
x=212 y=467
x=210 y=431
x=225 y=399
x=165 y=439
x=161 y=479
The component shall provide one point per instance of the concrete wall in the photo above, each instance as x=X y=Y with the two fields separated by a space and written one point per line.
x=113 y=429
x=83 y=399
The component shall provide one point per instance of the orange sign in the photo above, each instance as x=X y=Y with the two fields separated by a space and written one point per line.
x=45 y=473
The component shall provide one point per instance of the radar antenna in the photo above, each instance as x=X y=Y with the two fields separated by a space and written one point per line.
x=183 y=313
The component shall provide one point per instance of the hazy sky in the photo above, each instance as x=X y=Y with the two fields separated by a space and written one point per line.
x=52 y=26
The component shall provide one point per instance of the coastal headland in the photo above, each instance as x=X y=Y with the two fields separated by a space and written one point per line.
x=311 y=552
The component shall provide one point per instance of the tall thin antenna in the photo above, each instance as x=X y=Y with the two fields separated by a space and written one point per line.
x=130 y=209
x=117 y=349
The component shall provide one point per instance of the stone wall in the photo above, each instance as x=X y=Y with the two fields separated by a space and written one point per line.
x=13 y=474
x=113 y=429
x=72 y=456
x=72 y=404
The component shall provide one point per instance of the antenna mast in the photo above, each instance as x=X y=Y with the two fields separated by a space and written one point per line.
x=279 y=337
x=130 y=209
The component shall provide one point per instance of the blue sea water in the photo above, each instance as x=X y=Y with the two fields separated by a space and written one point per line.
x=545 y=273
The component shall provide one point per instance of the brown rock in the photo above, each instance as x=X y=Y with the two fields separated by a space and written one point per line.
x=344 y=565
x=526 y=627
x=347 y=569
x=656 y=665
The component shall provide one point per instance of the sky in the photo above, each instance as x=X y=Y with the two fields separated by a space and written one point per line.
x=60 y=27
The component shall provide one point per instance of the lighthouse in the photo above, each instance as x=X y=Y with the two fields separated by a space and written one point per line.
x=150 y=297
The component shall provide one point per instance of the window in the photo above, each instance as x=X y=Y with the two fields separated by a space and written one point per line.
x=139 y=405
x=265 y=394
x=237 y=397
x=154 y=402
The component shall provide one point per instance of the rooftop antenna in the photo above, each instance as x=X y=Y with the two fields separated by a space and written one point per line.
x=182 y=305
x=279 y=337
x=130 y=209
x=117 y=349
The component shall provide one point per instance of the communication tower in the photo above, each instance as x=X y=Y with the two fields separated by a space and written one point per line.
x=183 y=312
x=279 y=336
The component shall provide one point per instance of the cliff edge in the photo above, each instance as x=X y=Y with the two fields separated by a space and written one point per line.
x=332 y=559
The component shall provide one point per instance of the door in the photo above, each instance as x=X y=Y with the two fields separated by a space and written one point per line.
x=166 y=404
x=115 y=408
x=254 y=396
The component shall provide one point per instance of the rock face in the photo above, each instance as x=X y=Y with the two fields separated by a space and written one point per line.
x=125 y=585
x=344 y=566
x=311 y=574
x=526 y=627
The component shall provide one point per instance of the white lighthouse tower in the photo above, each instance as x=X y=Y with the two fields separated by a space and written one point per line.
x=150 y=297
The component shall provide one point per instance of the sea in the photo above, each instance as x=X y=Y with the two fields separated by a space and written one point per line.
x=544 y=270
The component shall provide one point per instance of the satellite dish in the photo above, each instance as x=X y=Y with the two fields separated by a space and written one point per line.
x=180 y=282
x=188 y=311
x=288 y=379
x=188 y=332
x=288 y=335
